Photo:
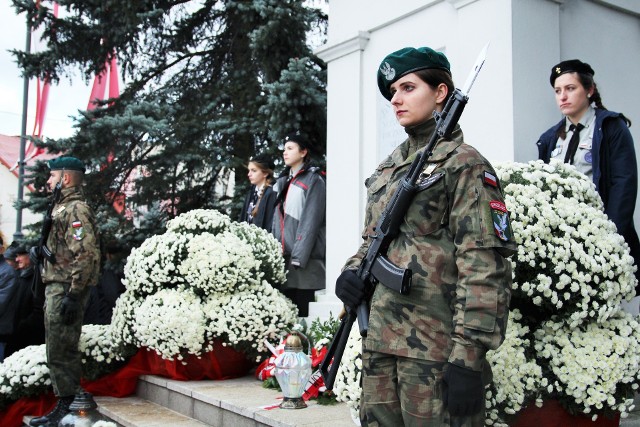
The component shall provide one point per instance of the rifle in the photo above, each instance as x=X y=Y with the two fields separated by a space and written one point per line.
x=375 y=266
x=41 y=249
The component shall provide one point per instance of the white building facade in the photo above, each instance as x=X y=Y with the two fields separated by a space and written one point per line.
x=510 y=105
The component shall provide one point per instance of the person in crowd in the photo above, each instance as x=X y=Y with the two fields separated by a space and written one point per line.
x=74 y=242
x=102 y=298
x=597 y=142
x=7 y=294
x=299 y=222
x=259 y=204
x=423 y=360
x=29 y=307
x=10 y=256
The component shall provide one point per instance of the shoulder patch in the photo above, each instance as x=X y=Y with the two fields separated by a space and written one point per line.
x=490 y=179
x=77 y=230
x=500 y=217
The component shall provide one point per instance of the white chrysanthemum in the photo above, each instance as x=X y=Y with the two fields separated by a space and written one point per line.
x=517 y=379
x=24 y=373
x=595 y=362
x=246 y=319
x=219 y=263
x=347 y=386
x=171 y=322
x=570 y=259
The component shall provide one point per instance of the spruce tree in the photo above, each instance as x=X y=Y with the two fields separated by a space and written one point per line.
x=207 y=85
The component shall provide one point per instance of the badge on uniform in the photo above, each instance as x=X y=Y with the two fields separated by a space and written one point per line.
x=490 y=179
x=78 y=230
x=500 y=218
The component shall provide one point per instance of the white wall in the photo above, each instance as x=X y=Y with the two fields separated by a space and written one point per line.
x=510 y=105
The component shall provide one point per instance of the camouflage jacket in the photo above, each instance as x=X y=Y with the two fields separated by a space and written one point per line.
x=74 y=241
x=455 y=239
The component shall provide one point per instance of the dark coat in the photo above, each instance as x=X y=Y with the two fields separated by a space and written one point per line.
x=8 y=287
x=615 y=172
x=29 y=315
x=264 y=216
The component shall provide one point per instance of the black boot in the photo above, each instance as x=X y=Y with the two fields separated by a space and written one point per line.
x=52 y=418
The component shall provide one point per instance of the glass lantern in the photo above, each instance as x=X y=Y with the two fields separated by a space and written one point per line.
x=293 y=370
x=83 y=412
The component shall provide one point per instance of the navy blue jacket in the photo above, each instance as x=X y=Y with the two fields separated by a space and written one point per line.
x=615 y=172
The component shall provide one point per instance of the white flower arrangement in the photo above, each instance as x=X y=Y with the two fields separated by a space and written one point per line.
x=206 y=277
x=246 y=319
x=171 y=322
x=24 y=373
x=595 y=366
x=99 y=355
x=570 y=260
x=517 y=379
x=567 y=337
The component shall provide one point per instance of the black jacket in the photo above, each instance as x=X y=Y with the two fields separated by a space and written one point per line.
x=264 y=216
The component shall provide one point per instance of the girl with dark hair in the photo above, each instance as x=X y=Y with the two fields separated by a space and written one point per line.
x=597 y=142
x=259 y=204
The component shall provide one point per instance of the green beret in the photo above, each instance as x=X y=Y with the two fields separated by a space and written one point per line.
x=570 y=66
x=66 y=163
x=408 y=60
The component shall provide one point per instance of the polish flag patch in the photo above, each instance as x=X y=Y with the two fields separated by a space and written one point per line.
x=76 y=224
x=490 y=179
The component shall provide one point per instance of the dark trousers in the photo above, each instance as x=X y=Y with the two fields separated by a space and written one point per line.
x=63 y=357
x=301 y=298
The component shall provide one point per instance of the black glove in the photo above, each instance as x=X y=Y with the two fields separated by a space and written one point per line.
x=350 y=288
x=69 y=309
x=34 y=255
x=462 y=391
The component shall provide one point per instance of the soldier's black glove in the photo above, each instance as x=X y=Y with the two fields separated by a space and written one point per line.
x=462 y=391
x=34 y=255
x=69 y=309
x=350 y=288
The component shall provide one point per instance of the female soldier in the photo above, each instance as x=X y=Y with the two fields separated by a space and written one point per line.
x=299 y=223
x=260 y=201
x=597 y=142
x=425 y=351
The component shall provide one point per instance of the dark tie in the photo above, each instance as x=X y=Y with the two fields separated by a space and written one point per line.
x=573 y=143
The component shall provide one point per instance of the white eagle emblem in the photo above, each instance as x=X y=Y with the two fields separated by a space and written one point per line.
x=501 y=225
x=388 y=72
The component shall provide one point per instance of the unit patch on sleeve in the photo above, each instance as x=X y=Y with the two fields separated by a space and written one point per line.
x=78 y=230
x=500 y=218
x=490 y=179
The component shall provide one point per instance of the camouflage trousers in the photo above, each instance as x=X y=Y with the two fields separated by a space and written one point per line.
x=401 y=391
x=63 y=357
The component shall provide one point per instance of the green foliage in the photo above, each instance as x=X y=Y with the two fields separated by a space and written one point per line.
x=271 y=383
x=208 y=84
x=323 y=331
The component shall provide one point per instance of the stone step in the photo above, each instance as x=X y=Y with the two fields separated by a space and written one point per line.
x=240 y=402
x=137 y=412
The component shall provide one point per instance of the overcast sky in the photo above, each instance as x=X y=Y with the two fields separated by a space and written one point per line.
x=65 y=99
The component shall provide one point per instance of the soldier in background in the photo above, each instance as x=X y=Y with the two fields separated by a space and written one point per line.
x=423 y=359
x=67 y=277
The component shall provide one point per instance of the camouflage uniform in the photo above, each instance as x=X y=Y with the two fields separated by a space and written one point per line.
x=74 y=242
x=455 y=239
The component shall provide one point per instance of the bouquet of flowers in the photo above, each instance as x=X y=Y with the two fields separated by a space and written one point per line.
x=567 y=338
x=205 y=278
